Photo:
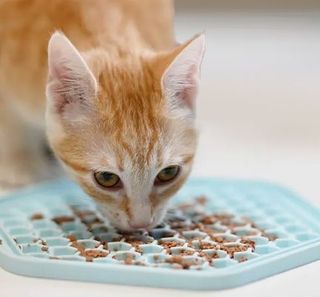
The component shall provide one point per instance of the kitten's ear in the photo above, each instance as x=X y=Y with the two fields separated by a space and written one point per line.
x=180 y=80
x=71 y=85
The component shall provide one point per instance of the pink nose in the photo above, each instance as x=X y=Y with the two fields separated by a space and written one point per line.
x=139 y=225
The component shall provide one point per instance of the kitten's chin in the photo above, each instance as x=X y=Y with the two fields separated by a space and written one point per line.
x=123 y=223
x=127 y=228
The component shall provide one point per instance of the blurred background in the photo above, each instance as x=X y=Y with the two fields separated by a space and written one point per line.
x=259 y=107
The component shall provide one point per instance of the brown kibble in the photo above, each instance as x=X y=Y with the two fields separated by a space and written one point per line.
x=91 y=220
x=83 y=213
x=89 y=259
x=139 y=263
x=132 y=240
x=128 y=260
x=249 y=242
x=89 y=254
x=218 y=239
x=186 y=252
x=209 y=220
x=206 y=245
x=63 y=219
x=271 y=237
x=37 y=216
x=95 y=253
x=234 y=249
x=242 y=259
x=72 y=238
x=204 y=228
x=43 y=242
x=138 y=249
x=169 y=244
x=78 y=246
x=202 y=200
x=189 y=216
x=179 y=260
x=209 y=257
x=44 y=248
x=156 y=258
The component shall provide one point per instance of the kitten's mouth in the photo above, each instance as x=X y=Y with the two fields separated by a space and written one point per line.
x=129 y=228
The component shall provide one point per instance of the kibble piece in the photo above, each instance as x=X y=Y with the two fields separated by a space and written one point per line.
x=179 y=260
x=44 y=248
x=37 y=216
x=206 y=245
x=170 y=244
x=209 y=257
x=63 y=219
x=249 y=242
x=242 y=259
x=128 y=260
x=202 y=200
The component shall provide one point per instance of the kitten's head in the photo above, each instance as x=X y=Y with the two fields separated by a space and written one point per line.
x=123 y=125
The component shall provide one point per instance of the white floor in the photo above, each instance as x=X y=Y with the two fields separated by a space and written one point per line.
x=260 y=101
x=259 y=118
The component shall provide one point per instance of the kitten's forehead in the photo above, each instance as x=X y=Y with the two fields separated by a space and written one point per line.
x=141 y=157
x=129 y=86
x=130 y=129
x=131 y=110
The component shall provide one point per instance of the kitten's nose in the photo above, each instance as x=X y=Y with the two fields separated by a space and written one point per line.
x=139 y=225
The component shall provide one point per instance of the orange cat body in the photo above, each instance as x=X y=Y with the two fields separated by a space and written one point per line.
x=26 y=27
x=108 y=108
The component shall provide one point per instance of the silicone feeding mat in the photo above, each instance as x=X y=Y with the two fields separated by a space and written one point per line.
x=219 y=234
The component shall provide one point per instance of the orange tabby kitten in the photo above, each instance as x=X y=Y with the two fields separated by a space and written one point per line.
x=119 y=108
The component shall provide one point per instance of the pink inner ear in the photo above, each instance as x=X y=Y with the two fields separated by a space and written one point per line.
x=60 y=98
x=188 y=92
x=181 y=86
x=187 y=96
x=71 y=85
x=180 y=80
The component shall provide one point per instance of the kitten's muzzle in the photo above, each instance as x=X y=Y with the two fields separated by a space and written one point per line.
x=140 y=225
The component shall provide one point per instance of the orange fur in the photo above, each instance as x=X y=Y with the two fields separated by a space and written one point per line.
x=127 y=45
x=26 y=26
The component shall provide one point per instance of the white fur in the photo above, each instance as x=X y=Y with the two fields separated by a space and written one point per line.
x=138 y=179
x=182 y=76
x=71 y=83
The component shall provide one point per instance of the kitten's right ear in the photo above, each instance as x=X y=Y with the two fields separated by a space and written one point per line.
x=180 y=74
x=71 y=85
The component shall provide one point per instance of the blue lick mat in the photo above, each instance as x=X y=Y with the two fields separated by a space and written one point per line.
x=35 y=245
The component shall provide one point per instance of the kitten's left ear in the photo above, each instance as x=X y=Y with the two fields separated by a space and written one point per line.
x=71 y=85
x=180 y=80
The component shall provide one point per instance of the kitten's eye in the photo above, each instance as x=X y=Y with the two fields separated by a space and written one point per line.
x=107 y=179
x=167 y=174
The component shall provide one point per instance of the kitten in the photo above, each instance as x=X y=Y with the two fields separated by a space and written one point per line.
x=120 y=97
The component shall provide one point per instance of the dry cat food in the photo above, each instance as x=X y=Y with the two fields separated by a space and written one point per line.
x=37 y=216
x=241 y=233
x=188 y=238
